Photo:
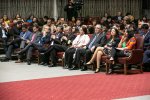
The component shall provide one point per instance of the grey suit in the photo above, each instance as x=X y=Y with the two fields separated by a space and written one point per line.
x=33 y=44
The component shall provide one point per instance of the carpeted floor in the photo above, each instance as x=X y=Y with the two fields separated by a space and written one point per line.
x=82 y=87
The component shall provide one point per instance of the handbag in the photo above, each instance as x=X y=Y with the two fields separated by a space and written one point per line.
x=107 y=51
x=127 y=53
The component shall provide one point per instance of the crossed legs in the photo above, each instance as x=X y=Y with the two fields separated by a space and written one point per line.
x=96 y=57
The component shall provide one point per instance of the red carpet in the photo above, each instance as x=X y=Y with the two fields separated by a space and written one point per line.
x=82 y=87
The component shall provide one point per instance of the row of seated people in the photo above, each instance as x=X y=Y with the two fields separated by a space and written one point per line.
x=82 y=46
x=99 y=45
x=28 y=41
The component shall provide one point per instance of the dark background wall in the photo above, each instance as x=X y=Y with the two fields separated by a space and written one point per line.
x=146 y=8
x=41 y=8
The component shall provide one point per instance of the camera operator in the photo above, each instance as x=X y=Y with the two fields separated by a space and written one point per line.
x=71 y=11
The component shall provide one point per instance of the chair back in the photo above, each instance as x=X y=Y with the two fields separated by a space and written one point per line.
x=139 y=42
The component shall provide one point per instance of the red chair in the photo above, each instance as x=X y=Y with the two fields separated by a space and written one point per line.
x=60 y=58
x=135 y=58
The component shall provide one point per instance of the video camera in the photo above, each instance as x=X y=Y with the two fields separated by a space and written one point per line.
x=78 y=4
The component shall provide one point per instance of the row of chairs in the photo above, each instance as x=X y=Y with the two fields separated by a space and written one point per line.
x=135 y=58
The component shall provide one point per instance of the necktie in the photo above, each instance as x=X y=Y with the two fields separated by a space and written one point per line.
x=91 y=44
x=32 y=37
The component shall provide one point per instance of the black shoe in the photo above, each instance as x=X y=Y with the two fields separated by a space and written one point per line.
x=52 y=65
x=5 y=60
x=28 y=62
x=84 y=68
x=73 y=67
x=45 y=64
x=42 y=63
x=69 y=67
x=66 y=67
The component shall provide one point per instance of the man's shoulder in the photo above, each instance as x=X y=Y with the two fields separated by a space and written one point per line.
x=29 y=32
x=102 y=35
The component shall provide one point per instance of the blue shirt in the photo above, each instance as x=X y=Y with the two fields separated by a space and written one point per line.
x=26 y=35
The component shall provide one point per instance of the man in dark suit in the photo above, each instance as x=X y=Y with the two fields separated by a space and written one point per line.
x=54 y=39
x=15 y=29
x=146 y=36
x=66 y=41
x=46 y=39
x=71 y=10
x=24 y=36
x=98 y=39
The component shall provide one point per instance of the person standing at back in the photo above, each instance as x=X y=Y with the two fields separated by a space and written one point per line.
x=70 y=10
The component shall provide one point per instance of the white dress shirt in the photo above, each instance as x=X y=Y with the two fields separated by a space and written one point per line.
x=81 y=40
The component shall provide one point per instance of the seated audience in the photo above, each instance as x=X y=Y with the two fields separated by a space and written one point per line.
x=19 y=41
x=146 y=36
x=54 y=39
x=33 y=43
x=79 y=42
x=66 y=41
x=15 y=34
x=98 y=39
x=127 y=43
x=100 y=51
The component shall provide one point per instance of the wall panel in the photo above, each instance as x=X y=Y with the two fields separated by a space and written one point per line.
x=41 y=8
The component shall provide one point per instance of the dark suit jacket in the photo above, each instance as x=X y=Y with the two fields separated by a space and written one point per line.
x=0 y=32
x=147 y=40
x=37 y=38
x=71 y=12
x=15 y=32
x=57 y=40
x=45 y=39
x=100 y=40
x=18 y=41
x=70 y=38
